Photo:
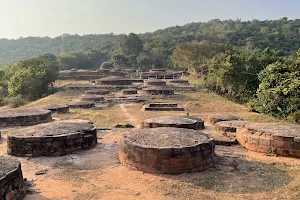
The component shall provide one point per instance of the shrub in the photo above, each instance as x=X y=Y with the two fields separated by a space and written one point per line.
x=16 y=101
x=294 y=117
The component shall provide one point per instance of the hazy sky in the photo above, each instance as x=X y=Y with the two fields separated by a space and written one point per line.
x=56 y=17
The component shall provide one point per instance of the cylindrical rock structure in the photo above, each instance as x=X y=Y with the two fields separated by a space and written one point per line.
x=52 y=139
x=278 y=139
x=11 y=179
x=24 y=117
x=177 y=122
x=167 y=150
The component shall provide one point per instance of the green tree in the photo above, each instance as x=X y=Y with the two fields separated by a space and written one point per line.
x=120 y=61
x=131 y=45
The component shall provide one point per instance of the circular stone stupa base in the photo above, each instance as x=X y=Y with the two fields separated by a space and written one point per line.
x=271 y=138
x=229 y=126
x=177 y=122
x=52 y=139
x=213 y=119
x=179 y=81
x=167 y=150
x=24 y=117
x=97 y=92
x=11 y=178
x=82 y=104
x=57 y=108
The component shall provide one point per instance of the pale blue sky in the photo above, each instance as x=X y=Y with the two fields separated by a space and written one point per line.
x=56 y=17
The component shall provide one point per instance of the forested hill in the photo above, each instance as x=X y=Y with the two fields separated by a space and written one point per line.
x=282 y=34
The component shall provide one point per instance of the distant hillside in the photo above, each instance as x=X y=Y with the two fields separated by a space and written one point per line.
x=282 y=34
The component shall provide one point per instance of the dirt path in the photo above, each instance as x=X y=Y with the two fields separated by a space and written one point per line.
x=132 y=119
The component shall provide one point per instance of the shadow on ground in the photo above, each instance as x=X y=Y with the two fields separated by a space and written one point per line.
x=233 y=173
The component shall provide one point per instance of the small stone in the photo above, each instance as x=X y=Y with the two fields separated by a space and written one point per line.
x=41 y=172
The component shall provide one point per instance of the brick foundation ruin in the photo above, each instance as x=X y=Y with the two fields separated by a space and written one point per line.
x=154 y=82
x=113 y=80
x=179 y=81
x=24 y=117
x=229 y=126
x=11 y=179
x=124 y=100
x=52 y=139
x=167 y=150
x=97 y=92
x=93 y=98
x=129 y=91
x=271 y=138
x=159 y=91
x=177 y=122
x=82 y=104
x=163 y=107
x=213 y=119
x=58 y=109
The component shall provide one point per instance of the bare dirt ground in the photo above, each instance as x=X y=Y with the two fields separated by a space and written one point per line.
x=98 y=174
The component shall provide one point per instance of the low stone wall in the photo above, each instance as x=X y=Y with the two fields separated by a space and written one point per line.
x=213 y=119
x=229 y=126
x=129 y=91
x=83 y=105
x=176 y=122
x=87 y=75
x=271 y=139
x=154 y=83
x=47 y=145
x=184 y=88
x=93 y=98
x=57 y=108
x=113 y=82
x=163 y=107
x=25 y=117
x=124 y=100
x=163 y=156
x=11 y=181
x=179 y=81
x=97 y=92
x=159 y=91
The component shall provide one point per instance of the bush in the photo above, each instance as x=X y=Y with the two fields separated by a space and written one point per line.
x=106 y=65
x=294 y=117
x=16 y=101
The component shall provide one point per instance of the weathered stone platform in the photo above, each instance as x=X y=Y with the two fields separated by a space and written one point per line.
x=54 y=108
x=154 y=82
x=213 y=119
x=176 y=121
x=124 y=99
x=93 y=98
x=163 y=107
x=11 y=179
x=271 y=138
x=158 y=91
x=179 y=81
x=113 y=80
x=24 y=117
x=129 y=91
x=97 y=92
x=82 y=104
x=229 y=126
x=167 y=150
x=52 y=139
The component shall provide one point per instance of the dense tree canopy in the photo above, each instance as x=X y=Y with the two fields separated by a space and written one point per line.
x=282 y=34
